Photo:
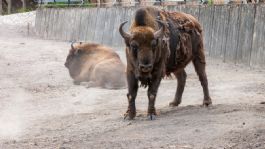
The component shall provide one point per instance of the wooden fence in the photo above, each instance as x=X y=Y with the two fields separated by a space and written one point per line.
x=235 y=33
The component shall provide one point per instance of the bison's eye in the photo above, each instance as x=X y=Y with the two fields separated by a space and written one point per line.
x=154 y=43
x=134 y=48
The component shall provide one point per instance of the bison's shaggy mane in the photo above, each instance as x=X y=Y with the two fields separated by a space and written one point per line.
x=146 y=17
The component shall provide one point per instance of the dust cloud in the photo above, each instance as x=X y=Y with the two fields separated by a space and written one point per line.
x=12 y=115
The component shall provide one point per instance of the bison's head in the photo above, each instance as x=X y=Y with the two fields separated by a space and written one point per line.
x=72 y=55
x=73 y=60
x=142 y=45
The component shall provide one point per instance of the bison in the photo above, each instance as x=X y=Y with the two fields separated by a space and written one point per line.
x=97 y=64
x=160 y=43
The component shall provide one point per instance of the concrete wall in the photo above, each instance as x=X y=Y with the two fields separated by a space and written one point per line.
x=234 y=33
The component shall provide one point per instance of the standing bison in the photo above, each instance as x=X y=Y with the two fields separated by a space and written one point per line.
x=161 y=43
x=96 y=64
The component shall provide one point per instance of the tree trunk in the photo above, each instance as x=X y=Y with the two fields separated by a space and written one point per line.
x=9 y=3
x=1 y=7
x=23 y=5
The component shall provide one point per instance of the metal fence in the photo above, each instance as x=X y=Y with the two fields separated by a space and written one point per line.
x=234 y=33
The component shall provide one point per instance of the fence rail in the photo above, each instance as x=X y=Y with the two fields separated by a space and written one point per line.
x=234 y=33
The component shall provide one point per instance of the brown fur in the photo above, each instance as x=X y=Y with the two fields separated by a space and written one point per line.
x=180 y=44
x=185 y=21
x=97 y=64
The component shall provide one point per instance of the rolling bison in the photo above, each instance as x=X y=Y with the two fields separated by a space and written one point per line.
x=96 y=64
x=161 y=43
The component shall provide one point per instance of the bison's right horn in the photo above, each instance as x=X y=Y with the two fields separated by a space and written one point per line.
x=160 y=32
x=123 y=33
x=72 y=45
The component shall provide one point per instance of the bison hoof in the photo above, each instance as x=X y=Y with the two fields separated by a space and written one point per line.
x=174 y=104
x=207 y=102
x=151 y=116
x=130 y=114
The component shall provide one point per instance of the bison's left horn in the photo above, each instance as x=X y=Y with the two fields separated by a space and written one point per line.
x=123 y=33
x=160 y=32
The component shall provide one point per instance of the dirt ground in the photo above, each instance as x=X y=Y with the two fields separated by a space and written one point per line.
x=41 y=108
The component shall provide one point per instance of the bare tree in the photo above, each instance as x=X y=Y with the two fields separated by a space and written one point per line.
x=23 y=5
x=9 y=3
x=1 y=7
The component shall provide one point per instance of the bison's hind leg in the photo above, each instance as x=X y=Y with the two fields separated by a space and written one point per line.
x=200 y=70
x=181 y=78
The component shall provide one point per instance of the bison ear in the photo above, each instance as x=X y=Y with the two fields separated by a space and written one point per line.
x=162 y=23
x=160 y=32
x=154 y=43
x=77 y=51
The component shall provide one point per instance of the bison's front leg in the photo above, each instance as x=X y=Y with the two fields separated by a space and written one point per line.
x=132 y=88
x=152 y=91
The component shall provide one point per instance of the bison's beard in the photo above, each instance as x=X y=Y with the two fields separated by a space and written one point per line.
x=145 y=83
x=145 y=79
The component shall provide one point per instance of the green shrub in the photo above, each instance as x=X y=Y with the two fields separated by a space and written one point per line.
x=65 y=5
x=20 y=10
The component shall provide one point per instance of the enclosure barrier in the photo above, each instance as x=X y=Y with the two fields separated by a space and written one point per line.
x=234 y=33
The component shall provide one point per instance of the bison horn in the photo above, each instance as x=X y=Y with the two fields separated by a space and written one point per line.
x=123 y=33
x=160 y=32
x=72 y=45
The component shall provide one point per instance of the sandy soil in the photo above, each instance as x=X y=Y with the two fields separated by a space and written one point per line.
x=41 y=108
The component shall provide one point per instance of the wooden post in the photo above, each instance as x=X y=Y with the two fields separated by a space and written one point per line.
x=1 y=7
x=98 y=3
x=23 y=5
x=9 y=3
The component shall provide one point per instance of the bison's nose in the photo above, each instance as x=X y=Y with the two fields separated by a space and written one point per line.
x=145 y=68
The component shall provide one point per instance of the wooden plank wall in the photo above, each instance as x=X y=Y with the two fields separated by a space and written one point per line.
x=234 y=33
